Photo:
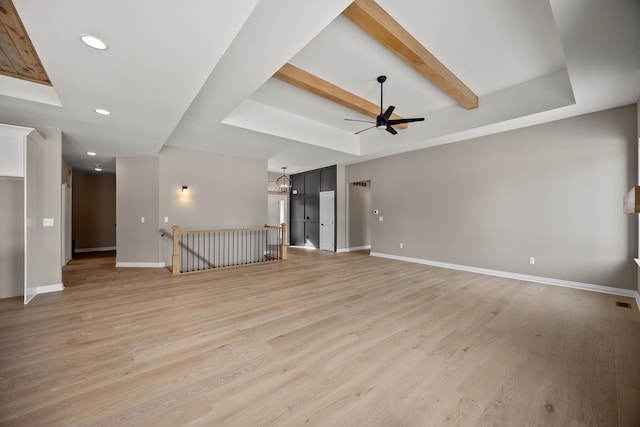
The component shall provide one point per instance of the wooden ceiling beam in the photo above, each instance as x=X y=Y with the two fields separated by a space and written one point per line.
x=18 y=57
x=369 y=16
x=304 y=80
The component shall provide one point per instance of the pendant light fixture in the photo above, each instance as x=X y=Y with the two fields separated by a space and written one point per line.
x=284 y=182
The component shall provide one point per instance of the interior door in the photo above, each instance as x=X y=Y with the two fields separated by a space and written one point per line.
x=327 y=220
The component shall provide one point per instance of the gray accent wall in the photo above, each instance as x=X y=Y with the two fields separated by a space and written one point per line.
x=638 y=178
x=137 y=197
x=12 y=241
x=49 y=240
x=224 y=192
x=341 y=208
x=552 y=191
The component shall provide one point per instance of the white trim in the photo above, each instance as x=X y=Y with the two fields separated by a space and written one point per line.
x=49 y=288
x=355 y=248
x=103 y=249
x=140 y=264
x=537 y=279
x=27 y=300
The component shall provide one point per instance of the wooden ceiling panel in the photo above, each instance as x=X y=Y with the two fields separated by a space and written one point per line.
x=18 y=57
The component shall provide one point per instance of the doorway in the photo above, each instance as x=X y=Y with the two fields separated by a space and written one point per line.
x=327 y=220
x=359 y=216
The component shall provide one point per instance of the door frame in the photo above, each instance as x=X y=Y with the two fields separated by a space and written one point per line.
x=325 y=197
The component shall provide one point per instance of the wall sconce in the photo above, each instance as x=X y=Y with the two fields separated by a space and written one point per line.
x=185 y=190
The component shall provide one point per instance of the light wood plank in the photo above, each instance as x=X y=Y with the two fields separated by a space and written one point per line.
x=18 y=48
x=304 y=80
x=369 y=16
x=321 y=339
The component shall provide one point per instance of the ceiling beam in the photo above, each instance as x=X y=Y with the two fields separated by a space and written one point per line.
x=369 y=16
x=314 y=84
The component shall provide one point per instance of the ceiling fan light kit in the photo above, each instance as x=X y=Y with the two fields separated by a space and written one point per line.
x=384 y=121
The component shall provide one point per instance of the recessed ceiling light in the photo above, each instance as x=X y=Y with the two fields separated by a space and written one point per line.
x=97 y=168
x=103 y=111
x=90 y=153
x=93 y=41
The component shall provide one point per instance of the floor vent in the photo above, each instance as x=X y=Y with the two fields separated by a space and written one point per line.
x=623 y=304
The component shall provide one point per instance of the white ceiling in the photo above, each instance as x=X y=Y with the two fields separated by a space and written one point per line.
x=197 y=74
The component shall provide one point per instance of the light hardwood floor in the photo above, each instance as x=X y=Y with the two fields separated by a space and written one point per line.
x=321 y=339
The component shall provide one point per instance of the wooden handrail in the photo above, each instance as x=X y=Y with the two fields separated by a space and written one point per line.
x=177 y=244
x=227 y=230
x=164 y=232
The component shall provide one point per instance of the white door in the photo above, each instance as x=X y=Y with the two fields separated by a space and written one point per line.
x=327 y=220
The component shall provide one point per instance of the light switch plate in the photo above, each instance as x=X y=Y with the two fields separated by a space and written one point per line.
x=380 y=218
x=47 y=222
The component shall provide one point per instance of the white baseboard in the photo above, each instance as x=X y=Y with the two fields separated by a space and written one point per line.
x=140 y=264
x=536 y=279
x=49 y=288
x=103 y=249
x=355 y=248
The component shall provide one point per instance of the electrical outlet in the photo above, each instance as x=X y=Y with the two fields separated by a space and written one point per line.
x=142 y=219
x=401 y=245
x=532 y=260
x=166 y=219
x=380 y=218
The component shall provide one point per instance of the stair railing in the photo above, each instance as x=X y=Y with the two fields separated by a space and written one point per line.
x=202 y=250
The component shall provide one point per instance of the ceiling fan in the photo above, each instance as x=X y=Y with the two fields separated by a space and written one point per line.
x=384 y=121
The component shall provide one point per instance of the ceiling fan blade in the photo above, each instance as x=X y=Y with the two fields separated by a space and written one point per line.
x=363 y=121
x=360 y=131
x=400 y=121
x=387 y=113
x=391 y=130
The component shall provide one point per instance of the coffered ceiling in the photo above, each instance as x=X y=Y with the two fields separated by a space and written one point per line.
x=208 y=75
